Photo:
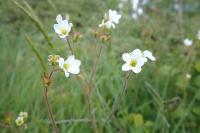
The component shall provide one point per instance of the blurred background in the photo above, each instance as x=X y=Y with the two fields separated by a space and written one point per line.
x=157 y=25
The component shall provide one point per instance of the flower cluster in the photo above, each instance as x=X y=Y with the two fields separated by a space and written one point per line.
x=136 y=59
x=70 y=65
x=110 y=19
x=21 y=119
x=63 y=27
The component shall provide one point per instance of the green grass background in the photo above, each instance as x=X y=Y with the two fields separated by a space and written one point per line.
x=20 y=71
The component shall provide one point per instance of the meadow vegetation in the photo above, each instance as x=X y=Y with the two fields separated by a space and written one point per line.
x=163 y=98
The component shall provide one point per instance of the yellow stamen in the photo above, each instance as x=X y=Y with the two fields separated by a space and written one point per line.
x=63 y=31
x=66 y=66
x=133 y=63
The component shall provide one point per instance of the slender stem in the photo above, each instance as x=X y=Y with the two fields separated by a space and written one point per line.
x=88 y=96
x=118 y=99
x=90 y=108
x=54 y=70
x=69 y=45
x=96 y=63
x=49 y=109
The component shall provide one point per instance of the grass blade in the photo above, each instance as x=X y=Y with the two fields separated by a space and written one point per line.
x=37 y=53
x=26 y=8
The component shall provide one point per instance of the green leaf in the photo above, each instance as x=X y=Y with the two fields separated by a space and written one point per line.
x=37 y=53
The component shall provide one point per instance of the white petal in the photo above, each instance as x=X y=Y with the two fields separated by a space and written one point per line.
x=61 y=62
x=136 y=53
x=70 y=59
x=74 y=70
x=140 y=61
x=73 y=62
x=59 y=18
x=57 y=28
x=65 y=23
x=66 y=73
x=126 y=57
x=113 y=25
x=126 y=67
x=76 y=63
x=149 y=55
x=136 y=69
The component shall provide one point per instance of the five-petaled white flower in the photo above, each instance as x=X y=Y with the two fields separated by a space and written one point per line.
x=71 y=65
x=110 y=19
x=134 y=61
x=187 y=42
x=63 y=27
x=19 y=121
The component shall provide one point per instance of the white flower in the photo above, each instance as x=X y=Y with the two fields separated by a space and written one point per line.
x=63 y=27
x=110 y=19
x=148 y=55
x=140 y=11
x=187 y=42
x=188 y=76
x=198 y=35
x=19 y=121
x=134 y=61
x=71 y=65
x=113 y=16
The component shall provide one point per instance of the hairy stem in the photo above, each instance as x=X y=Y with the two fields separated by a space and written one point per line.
x=69 y=45
x=96 y=63
x=49 y=109
x=88 y=95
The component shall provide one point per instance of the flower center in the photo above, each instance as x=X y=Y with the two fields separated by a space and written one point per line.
x=20 y=122
x=66 y=66
x=63 y=31
x=133 y=63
